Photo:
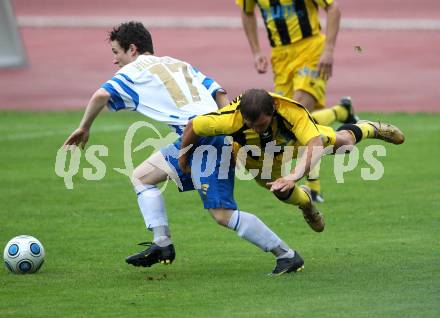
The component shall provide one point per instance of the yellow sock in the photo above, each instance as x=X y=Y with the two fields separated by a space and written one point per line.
x=324 y=117
x=328 y=116
x=341 y=113
x=298 y=197
x=368 y=130
x=314 y=185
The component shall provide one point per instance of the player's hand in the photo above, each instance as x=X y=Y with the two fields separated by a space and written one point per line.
x=260 y=62
x=325 y=65
x=184 y=164
x=281 y=185
x=78 y=138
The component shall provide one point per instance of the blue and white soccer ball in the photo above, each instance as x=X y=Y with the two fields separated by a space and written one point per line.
x=24 y=254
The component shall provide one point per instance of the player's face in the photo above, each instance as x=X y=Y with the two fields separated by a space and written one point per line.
x=120 y=57
x=260 y=125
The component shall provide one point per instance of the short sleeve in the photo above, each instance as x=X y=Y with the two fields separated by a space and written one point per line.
x=225 y=121
x=305 y=128
x=122 y=93
x=210 y=84
x=298 y=118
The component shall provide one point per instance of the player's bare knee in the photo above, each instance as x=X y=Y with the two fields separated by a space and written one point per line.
x=137 y=176
x=147 y=173
x=221 y=216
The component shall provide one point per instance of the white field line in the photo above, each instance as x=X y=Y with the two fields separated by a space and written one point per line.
x=59 y=132
x=214 y=22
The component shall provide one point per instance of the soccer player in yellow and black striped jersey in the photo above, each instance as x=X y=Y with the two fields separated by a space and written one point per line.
x=265 y=119
x=302 y=56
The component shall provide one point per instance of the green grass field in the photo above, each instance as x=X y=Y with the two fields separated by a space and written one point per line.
x=378 y=257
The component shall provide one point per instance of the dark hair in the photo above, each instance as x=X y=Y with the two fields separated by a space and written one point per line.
x=132 y=33
x=255 y=102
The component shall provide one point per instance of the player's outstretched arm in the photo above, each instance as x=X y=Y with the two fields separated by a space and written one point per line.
x=307 y=160
x=81 y=135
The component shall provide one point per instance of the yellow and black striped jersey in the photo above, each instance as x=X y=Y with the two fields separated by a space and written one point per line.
x=287 y=21
x=291 y=124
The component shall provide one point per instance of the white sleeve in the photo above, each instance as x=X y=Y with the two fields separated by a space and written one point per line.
x=122 y=93
x=211 y=85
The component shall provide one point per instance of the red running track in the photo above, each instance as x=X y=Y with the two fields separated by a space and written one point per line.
x=396 y=71
x=350 y=8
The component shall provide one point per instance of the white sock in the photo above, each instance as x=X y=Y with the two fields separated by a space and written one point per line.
x=289 y=254
x=162 y=235
x=251 y=228
x=152 y=207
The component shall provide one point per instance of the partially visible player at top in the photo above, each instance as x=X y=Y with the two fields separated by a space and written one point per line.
x=172 y=91
x=301 y=57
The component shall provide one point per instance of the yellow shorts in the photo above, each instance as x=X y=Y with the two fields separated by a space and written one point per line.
x=295 y=68
x=281 y=165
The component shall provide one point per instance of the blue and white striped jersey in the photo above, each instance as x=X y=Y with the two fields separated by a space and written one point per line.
x=162 y=88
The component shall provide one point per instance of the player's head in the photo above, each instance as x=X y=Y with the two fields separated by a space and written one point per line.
x=256 y=107
x=128 y=41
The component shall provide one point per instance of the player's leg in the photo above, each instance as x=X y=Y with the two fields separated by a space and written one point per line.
x=302 y=198
x=217 y=194
x=151 y=204
x=350 y=134
x=249 y=227
x=309 y=89
x=342 y=112
x=283 y=68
